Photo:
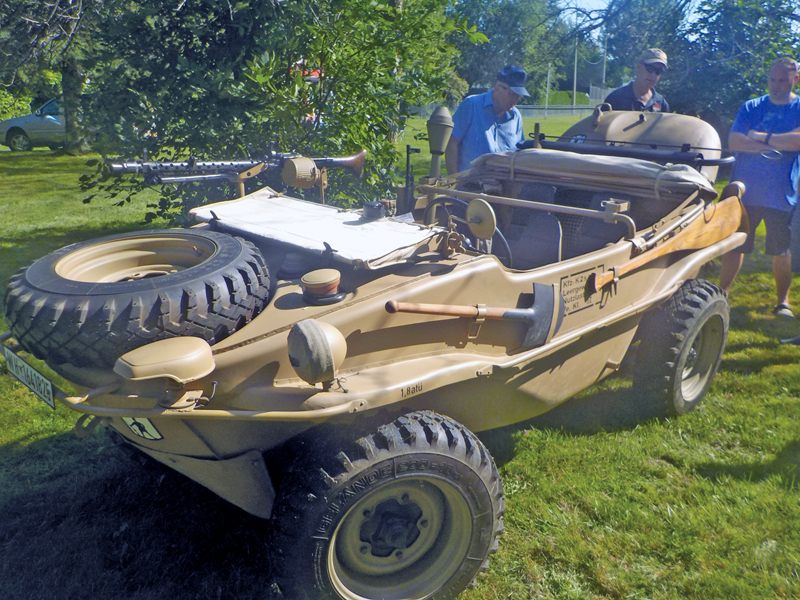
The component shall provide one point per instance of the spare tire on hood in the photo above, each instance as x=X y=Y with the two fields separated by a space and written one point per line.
x=89 y=303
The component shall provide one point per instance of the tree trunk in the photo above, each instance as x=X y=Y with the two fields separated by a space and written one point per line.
x=72 y=82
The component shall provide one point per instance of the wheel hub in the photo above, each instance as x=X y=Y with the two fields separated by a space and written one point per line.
x=393 y=527
x=691 y=358
x=400 y=540
x=700 y=359
x=135 y=258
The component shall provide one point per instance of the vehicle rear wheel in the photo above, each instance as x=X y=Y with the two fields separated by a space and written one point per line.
x=681 y=348
x=412 y=511
x=18 y=141
x=89 y=303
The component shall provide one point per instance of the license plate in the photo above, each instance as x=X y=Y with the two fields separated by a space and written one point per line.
x=36 y=382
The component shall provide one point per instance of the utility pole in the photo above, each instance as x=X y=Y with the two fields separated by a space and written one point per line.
x=605 y=50
x=547 y=90
x=575 y=76
x=575 y=69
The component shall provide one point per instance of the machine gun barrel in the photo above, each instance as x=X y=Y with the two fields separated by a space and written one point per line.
x=216 y=166
x=354 y=162
x=296 y=170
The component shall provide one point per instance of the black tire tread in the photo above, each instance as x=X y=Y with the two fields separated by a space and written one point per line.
x=93 y=331
x=320 y=471
x=663 y=334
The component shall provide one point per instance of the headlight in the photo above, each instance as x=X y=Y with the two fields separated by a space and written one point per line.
x=316 y=351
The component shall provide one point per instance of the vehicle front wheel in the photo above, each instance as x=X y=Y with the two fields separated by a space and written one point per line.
x=411 y=511
x=18 y=141
x=681 y=348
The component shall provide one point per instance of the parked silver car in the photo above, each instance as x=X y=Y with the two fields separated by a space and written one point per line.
x=45 y=127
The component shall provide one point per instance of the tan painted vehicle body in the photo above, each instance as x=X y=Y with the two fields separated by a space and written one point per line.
x=218 y=410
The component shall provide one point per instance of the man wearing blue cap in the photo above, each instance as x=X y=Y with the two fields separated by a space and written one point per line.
x=487 y=123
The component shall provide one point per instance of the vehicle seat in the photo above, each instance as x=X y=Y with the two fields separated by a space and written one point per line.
x=534 y=237
x=592 y=234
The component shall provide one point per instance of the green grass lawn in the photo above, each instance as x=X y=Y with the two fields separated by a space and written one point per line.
x=601 y=505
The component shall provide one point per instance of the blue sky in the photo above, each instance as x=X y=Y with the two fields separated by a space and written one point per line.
x=591 y=4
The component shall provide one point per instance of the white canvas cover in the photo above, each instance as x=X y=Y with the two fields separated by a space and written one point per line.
x=268 y=216
x=633 y=176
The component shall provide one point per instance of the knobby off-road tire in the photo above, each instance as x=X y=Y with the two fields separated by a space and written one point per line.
x=89 y=303
x=681 y=348
x=410 y=511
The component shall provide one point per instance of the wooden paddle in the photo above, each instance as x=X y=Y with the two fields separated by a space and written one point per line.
x=717 y=222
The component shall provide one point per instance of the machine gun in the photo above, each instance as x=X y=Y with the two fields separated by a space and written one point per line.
x=296 y=171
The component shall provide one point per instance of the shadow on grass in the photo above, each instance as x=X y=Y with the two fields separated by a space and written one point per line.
x=598 y=409
x=785 y=465
x=588 y=414
x=121 y=528
x=760 y=319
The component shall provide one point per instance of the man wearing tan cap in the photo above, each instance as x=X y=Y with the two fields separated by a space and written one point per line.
x=640 y=94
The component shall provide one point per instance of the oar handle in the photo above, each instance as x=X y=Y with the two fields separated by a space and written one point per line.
x=446 y=310
x=717 y=222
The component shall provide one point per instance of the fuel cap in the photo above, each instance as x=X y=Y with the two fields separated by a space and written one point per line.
x=322 y=286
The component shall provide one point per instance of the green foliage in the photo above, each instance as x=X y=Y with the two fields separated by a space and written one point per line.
x=317 y=78
x=640 y=24
x=719 y=50
x=564 y=97
x=725 y=54
x=14 y=106
x=41 y=47
x=33 y=37
x=521 y=33
x=590 y=66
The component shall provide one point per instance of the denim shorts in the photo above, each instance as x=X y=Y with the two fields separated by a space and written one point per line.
x=779 y=232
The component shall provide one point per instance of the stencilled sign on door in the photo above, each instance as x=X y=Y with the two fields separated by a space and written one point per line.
x=573 y=288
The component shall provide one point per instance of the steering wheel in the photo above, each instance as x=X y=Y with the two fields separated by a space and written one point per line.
x=497 y=244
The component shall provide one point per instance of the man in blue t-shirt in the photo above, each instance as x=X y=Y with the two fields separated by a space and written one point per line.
x=487 y=123
x=766 y=139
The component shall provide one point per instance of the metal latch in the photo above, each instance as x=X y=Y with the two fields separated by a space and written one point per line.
x=475 y=325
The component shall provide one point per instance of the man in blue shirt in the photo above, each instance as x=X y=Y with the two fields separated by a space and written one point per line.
x=640 y=94
x=487 y=123
x=766 y=139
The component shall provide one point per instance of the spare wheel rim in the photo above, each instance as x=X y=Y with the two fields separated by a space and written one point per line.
x=135 y=258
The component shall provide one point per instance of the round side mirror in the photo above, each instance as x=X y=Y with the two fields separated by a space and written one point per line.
x=481 y=219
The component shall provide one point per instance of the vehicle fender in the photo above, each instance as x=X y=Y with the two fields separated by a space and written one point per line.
x=688 y=266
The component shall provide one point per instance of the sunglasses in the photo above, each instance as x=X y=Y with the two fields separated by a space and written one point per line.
x=652 y=69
